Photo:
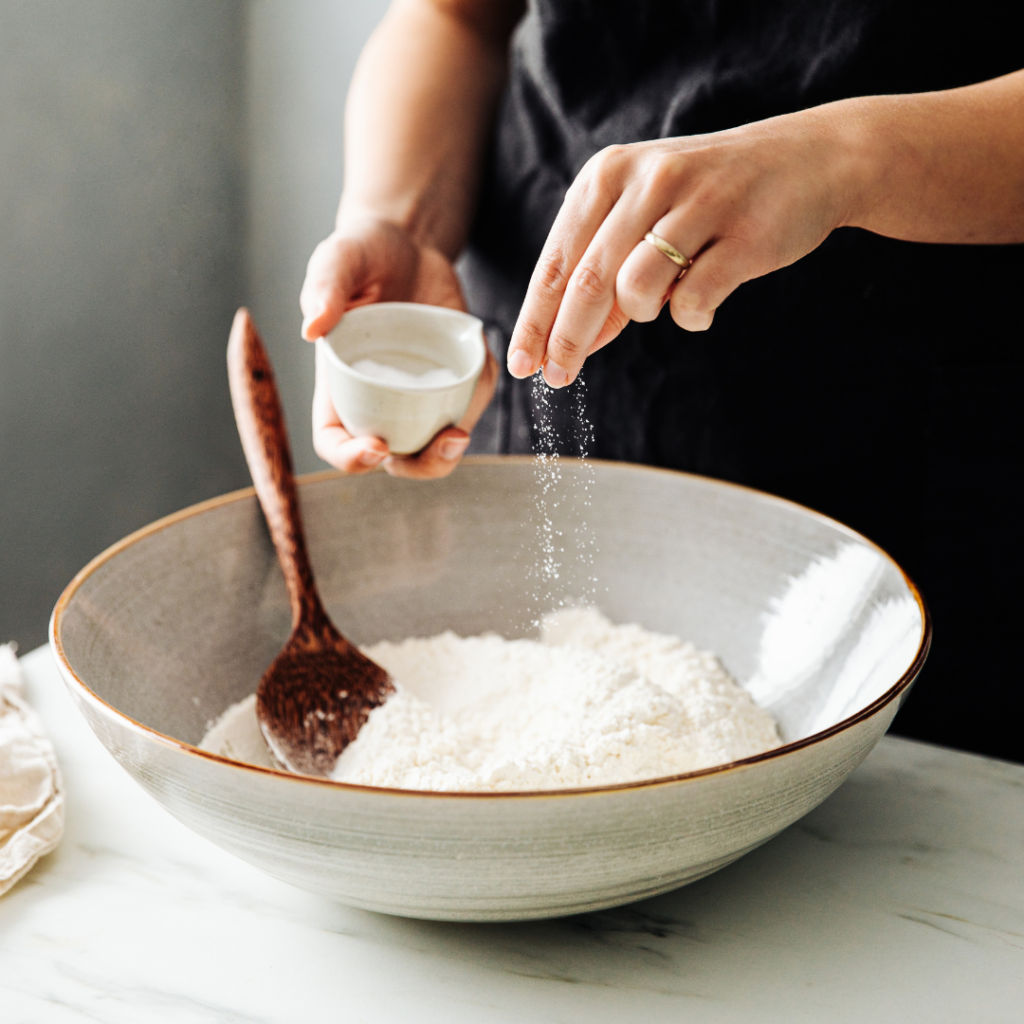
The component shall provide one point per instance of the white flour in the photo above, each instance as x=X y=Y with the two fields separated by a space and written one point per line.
x=592 y=704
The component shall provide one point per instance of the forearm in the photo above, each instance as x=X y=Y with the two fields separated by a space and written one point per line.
x=419 y=110
x=936 y=167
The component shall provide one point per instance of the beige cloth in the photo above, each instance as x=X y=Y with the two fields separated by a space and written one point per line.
x=31 y=791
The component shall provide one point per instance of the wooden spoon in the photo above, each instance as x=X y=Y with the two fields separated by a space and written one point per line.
x=320 y=689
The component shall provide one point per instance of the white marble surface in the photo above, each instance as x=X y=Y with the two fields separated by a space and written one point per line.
x=900 y=899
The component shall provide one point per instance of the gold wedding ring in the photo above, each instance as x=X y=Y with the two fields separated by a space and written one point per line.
x=669 y=250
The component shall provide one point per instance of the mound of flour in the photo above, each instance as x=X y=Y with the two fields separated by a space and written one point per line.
x=590 y=704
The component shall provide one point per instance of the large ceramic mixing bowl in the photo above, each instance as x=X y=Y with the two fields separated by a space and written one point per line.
x=162 y=632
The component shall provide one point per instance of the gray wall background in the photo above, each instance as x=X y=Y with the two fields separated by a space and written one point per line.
x=160 y=164
x=299 y=60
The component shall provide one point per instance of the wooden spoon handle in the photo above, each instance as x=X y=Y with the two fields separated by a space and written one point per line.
x=261 y=427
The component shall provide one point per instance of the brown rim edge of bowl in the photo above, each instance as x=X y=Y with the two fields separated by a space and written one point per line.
x=313 y=478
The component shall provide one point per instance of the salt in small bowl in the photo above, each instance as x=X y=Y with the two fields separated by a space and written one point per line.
x=414 y=339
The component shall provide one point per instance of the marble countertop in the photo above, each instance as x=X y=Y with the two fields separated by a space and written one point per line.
x=899 y=899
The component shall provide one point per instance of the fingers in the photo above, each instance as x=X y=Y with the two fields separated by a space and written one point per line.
x=739 y=203
x=350 y=454
x=369 y=261
x=436 y=283
x=334 y=273
x=577 y=300
x=443 y=453
x=647 y=276
x=437 y=460
x=332 y=442
x=715 y=275
x=482 y=394
x=336 y=446
x=587 y=303
x=612 y=328
x=562 y=268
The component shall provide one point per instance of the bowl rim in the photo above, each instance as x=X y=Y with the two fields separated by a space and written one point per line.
x=479 y=358
x=69 y=673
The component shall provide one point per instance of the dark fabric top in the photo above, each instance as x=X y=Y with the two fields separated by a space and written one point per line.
x=875 y=380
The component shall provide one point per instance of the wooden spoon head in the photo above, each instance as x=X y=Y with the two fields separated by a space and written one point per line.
x=315 y=697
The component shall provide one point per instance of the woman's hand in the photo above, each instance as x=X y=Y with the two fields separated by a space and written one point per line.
x=739 y=203
x=942 y=167
x=371 y=260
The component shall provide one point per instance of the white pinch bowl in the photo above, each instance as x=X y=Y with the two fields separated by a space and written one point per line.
x=411 y=337
x=159 y=634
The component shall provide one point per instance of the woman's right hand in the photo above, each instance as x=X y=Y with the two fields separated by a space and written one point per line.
x=366 y=260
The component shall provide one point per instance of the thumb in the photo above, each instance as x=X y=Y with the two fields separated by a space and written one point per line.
x=335 y=273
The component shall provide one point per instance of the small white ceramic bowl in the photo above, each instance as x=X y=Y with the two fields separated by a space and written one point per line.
x=162 y=632
x=409 y=337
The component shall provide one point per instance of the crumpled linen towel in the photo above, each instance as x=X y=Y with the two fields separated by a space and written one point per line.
x=31 y=790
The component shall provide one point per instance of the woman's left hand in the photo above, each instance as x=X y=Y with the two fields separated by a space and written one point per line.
x=739 y=203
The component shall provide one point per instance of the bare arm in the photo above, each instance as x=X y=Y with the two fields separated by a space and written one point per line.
x=418 y=116
x=940 y=166
x=419 y=109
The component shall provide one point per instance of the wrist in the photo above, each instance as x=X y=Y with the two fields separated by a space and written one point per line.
x=406 y=215
x=355 y=215
x=863 y=151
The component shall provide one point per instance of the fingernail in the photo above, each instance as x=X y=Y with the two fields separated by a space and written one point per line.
x=452 y=448
x=520 y=364
x=555 y=375
x=371 y=457
x=314 y=314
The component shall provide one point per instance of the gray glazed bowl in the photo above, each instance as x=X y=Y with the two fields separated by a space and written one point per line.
x=165 y=629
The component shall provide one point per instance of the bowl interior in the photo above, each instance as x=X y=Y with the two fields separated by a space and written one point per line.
x=409 y=337
x=181 y=620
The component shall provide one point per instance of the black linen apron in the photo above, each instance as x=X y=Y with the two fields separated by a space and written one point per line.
x=877 y=381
